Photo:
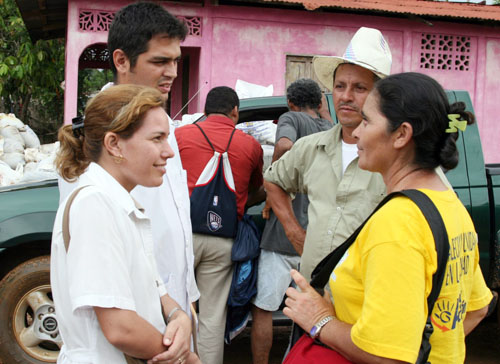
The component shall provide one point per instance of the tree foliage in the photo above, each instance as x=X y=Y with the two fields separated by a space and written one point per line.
x=30 y=74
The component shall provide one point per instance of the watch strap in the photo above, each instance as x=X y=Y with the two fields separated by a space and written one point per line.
x=315 y=330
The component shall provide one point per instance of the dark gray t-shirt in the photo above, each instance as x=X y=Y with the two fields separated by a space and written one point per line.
x=292 y=125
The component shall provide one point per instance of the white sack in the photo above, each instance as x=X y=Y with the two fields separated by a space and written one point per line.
x=47 y=164
x=37 y=175
x=33 y=155
x=10 y=120
x=263 y=131
x=49 y=148
x=246 y=90
x=30 y=138
x=30 y=167
x=2 y=140
x=13 y=159
x=45 y=169
x=11 y=132
x=268 y=151
x=187 y=119
x=8 y=176
x=12 y=145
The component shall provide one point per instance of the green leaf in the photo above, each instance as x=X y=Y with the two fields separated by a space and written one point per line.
x=11 y=61
x=3 y=69
x=39 y=55
x=18 y=71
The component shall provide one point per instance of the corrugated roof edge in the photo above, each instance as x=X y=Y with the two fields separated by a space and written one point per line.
x=413 y=7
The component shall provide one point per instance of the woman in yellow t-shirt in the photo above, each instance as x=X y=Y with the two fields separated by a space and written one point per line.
x=378 y=306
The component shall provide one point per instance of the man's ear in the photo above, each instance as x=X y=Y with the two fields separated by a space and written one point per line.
x=235 y=114
x=403 y=135
x=121 y=62
x=111 y=143
x=292 y=106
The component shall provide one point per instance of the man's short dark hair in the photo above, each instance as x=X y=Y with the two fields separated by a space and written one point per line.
x=134 y=25
x=221 y=100
x=304 y=93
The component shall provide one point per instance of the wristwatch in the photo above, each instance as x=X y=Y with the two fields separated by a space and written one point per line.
x=315 y=330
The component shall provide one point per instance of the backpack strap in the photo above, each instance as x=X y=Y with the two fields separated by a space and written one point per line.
x=65 y=222
x=230 y=138
x=205 y=135
x=208 y=140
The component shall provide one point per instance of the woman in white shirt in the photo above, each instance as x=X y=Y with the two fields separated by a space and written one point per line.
x=107 y=292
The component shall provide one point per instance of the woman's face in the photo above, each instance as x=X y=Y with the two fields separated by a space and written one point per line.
x=146 y=152
x=375 y=145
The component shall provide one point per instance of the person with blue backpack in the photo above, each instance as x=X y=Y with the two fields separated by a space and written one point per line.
x=224 y=172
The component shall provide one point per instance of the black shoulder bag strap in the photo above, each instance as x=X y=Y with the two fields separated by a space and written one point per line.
x=442 y=242
x=323 y=270
x=208 y=140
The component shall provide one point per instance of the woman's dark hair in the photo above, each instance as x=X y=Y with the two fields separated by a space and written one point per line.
x=421 y=101
x=304 y=93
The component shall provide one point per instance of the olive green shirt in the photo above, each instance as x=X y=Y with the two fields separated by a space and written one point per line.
x=338 y=203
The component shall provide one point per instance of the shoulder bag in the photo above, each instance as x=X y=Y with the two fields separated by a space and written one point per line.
x=306 y=350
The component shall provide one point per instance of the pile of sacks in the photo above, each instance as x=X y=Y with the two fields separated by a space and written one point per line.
x=22 y=158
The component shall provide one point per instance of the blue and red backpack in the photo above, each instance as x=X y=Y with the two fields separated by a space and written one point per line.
x=213 y=200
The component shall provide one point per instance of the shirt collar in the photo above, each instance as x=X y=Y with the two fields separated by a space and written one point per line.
x=98 y=176
x=220 y=119
x=331 y=140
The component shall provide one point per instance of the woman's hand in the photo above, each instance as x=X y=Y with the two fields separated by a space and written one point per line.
x=306 y=307
x=177 y=339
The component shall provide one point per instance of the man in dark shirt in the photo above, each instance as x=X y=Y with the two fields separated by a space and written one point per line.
x=278 y=255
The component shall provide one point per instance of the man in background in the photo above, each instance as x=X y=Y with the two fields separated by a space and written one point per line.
x=213 y=263
x=278 y=254
x=325 y=165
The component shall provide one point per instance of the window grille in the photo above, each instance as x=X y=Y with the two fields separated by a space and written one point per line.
x=445 y=52
x=100 y=21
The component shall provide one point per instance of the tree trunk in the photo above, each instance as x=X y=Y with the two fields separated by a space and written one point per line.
x=24 y=111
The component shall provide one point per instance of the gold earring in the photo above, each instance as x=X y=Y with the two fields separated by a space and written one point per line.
x=118 y=159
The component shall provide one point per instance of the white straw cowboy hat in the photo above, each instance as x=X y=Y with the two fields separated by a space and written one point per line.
x=367 y=49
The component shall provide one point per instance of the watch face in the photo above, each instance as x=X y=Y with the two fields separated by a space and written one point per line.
x=313 y=331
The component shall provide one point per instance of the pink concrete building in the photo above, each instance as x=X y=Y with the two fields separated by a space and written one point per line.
x=273 y=43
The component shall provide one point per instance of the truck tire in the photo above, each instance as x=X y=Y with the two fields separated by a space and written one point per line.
x=28 y=327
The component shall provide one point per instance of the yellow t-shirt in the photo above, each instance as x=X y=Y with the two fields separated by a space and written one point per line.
x=381 y=284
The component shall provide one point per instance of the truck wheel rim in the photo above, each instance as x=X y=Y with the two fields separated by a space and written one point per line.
x=35 y=324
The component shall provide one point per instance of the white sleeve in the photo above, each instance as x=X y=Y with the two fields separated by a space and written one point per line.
x=98 y=261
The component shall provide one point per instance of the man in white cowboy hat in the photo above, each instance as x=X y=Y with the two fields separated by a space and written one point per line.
x=325 y=165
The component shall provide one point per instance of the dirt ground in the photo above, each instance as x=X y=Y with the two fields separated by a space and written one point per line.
x=483 y=346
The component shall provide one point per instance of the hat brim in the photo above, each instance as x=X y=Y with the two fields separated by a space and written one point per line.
x=325 y=66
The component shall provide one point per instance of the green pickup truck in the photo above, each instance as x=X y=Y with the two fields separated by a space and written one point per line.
x=28 y=323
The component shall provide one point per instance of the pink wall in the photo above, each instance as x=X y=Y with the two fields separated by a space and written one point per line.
x=252 y=44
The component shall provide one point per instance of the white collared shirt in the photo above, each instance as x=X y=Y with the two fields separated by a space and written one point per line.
x=110 y=263
x=168 y=207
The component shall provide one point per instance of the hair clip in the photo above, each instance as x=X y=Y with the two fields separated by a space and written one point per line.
x=455 y=123
x=77 y=126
